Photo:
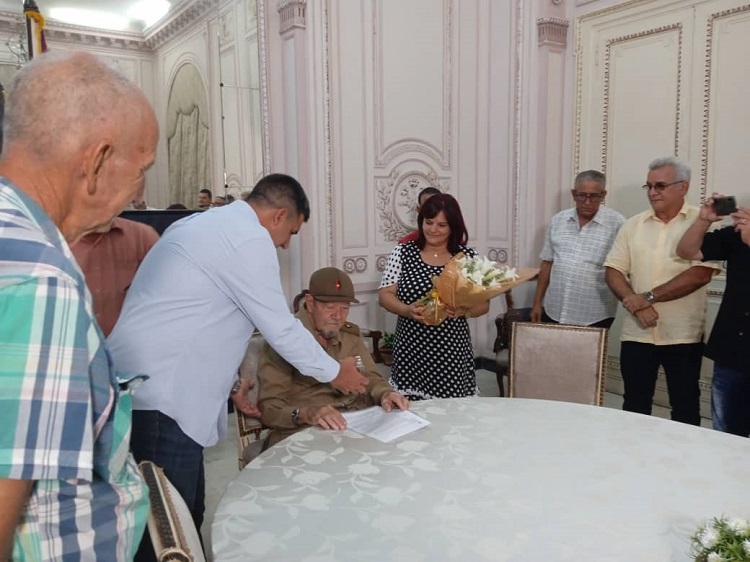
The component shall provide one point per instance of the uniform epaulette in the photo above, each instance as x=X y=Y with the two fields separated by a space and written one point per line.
x=350 y=328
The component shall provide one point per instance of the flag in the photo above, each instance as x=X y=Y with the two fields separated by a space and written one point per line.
x=34 y=29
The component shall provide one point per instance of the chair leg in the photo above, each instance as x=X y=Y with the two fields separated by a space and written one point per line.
x=500 y=372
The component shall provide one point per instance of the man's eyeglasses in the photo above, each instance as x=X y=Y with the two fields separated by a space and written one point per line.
x=593 y=197
x=660 y=185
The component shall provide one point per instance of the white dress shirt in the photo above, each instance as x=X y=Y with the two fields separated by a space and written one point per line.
x=210 y=281
x=577 y=292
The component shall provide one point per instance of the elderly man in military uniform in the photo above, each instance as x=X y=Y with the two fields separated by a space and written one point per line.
x=289 y=400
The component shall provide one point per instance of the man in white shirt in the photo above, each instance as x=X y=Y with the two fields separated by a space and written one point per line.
x=212 y=275
x=571 y=288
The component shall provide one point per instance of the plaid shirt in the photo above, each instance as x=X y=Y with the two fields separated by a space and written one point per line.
x=577 y=292
x=65 y=419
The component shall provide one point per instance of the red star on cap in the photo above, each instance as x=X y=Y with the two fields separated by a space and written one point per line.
x=338 y=284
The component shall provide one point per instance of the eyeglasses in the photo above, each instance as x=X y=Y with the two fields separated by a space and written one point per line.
x=660 y=185
x=593 y=197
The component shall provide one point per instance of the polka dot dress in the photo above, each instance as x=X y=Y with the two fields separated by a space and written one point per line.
x=428 y=361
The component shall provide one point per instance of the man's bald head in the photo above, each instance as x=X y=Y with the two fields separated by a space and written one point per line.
x=59 y=99
x=79 y=137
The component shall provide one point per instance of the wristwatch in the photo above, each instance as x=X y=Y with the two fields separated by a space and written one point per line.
x=649 y=296
x=295 y=417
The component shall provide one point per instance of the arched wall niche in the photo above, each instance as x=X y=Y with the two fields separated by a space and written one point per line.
x=188 y=135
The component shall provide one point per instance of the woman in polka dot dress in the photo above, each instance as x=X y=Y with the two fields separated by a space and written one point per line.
x=429 y=361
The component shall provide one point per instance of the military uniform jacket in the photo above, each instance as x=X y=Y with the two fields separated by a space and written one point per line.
x=283 y=388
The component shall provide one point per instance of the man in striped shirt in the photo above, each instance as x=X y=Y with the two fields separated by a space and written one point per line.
x=79 y=137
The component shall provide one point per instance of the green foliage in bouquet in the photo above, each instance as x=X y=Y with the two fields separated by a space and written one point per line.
x=722 y=540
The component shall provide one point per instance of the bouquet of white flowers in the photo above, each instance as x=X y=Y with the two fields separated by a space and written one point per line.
x=466 y=282
x=722 y=540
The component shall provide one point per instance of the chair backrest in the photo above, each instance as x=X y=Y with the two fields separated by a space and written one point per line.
x=558 y=362
x=249 y=429
x=170 y=525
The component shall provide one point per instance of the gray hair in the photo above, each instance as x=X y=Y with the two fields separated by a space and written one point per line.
x=591 y=175
x=60 y=99
x=681 y=169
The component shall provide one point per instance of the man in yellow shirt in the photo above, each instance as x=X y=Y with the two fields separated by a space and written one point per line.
x=664 y=294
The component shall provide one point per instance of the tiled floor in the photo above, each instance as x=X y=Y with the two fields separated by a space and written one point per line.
x=221 y=460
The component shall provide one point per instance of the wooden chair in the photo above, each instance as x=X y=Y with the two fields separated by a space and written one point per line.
x=504 y=326
x=250 y=431
x=558 y=362
x=373 y=335
x=170 y=524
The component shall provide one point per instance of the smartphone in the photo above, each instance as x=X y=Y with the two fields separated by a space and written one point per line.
x=724 y=206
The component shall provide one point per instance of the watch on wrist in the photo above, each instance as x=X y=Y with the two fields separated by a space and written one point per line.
x=649 y=296
x=295 y=417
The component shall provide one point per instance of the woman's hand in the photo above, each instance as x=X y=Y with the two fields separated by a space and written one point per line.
x=456 y=312
x=416 y=312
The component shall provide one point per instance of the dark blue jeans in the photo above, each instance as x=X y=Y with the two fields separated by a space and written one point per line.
x=639 y=365
x=158 y=438
x=730 y=401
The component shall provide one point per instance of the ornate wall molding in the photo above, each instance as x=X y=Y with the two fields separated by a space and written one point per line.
x=707 y=89
x=517 y=126
x=386 y=154
x=396 y=199
x=263 y=61
x=355 y=264
x=293 y=15
x=607 y=67
x=381 y=260
x=552 y=31
x=225 y=28
x=498 y=255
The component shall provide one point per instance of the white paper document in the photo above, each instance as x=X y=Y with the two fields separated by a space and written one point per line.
x=384 y=426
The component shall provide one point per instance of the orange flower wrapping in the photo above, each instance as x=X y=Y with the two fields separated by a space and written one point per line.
x=457 y=291
x=434 y=308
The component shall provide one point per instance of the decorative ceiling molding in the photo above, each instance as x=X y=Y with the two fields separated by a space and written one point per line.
x=184 y=15
x=293 y=15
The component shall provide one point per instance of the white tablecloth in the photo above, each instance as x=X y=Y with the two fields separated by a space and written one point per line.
x=489 y=479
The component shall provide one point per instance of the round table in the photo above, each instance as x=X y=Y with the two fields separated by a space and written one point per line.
x=489 y=479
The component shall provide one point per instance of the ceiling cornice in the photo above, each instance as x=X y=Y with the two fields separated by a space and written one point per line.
x=151 y=39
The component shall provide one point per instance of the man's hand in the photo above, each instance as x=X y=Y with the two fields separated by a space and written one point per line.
x=707 y=212
x=742 y=223
x=326 y=417
x=392 y=399
x=349 y=379
x=241 y=400
x=536 y=313
x=635 y=302
x=14 y=494
x=647 y=317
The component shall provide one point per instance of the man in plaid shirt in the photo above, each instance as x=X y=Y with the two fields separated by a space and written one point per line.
x=79 y=137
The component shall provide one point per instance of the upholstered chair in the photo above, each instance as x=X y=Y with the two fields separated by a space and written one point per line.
x=504 y=326
x=558 y=362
